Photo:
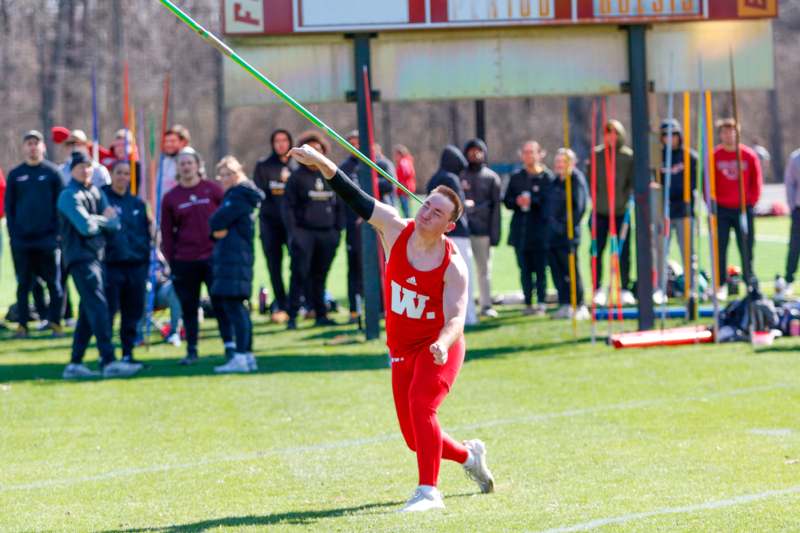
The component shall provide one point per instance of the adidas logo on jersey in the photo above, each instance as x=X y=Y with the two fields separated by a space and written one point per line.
x=412 y=280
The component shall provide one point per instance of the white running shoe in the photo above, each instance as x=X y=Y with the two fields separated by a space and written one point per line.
x=600 y=298
x=541 y=310
x=237 y=365
x=783 y=289
x=75 y=371
x=424 y=499
x=582 y=313
x=658 y=297
x=565 y=311
x=627 y=298
x=476 y=468
x=121 y=369
x=252 y=364
x=175 y=340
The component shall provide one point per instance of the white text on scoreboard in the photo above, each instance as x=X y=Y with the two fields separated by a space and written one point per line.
x=488 y=10
x=646 y=8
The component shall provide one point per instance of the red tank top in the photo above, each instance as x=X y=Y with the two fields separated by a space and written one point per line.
x=415 y=310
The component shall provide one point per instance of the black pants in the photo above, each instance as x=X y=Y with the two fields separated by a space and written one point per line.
x=66 y=303
x=188 y=278
x=93 y=318
x=794 y=246
x=125 y=291
x=239 y=318
x=559 y=269
x=45 y=264
x=532 y=262
x=312 y=253
x=728 y=219
x=273 y=239
x=603 y=230
x=355 y=277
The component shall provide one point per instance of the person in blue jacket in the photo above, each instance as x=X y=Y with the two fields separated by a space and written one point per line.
x=127 y=257
x=86 y=219
x=233 y=228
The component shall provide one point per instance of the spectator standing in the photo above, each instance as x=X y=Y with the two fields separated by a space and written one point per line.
x=528 y=196
x=482 y=192
x=451 y=164
x=86 y=219
x=233 y=227
x=791 y=178
x=127 y=257
x=31 y=199
x=78 y=142
x=187 y=246
x=270 y=175
x=176 y=139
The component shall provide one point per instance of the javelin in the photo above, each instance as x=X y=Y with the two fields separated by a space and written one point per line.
x=277 y=91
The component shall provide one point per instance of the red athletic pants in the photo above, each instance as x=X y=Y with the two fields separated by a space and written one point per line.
x=419 y=386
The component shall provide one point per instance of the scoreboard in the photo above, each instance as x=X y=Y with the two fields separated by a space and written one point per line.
x=283 y=17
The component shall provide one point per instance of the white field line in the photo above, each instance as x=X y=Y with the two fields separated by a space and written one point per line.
x=687 y=509
x=351 y=443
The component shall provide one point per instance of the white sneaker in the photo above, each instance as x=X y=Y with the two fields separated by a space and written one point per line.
x=722 y=293
x=175 y=340
x=600 y=298
x=582 y=313
x=782 y=288
x=489 y=313
x=252 y=364
x=121 y=369
x=541 y=310
x=658 y=297
x=424 y=499
x=627 y=298
x=476 y=468
x=237 y=365
x=74 y=371
x=565 y=311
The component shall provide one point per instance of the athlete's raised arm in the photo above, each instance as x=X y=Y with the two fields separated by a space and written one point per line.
x=382 y=217
x=455 y=308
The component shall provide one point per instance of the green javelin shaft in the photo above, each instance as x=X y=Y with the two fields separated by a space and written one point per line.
x=277 y=91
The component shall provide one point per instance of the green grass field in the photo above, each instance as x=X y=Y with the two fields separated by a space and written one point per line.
x=580 y=436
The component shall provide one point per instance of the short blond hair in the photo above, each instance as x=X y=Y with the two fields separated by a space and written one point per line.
x=569 y=153
x=231 y=163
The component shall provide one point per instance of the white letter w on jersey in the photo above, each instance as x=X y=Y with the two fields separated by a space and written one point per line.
x=405 y=301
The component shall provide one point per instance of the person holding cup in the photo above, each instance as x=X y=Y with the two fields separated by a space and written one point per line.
x=528 y=196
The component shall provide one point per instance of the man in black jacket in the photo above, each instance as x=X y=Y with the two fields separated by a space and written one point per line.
x=528 y=196
x=451 y=165
x=30 y=203
x=270 y=175
x=355 y=277
x=127 y=257
x=677 y=207
x=85 y=220
x=482 y=191
x=314 y=219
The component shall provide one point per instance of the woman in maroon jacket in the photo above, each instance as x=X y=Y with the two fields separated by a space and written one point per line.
x=187 y=246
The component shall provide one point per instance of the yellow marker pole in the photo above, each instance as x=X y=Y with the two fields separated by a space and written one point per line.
x=687 y=198
x=573 y=289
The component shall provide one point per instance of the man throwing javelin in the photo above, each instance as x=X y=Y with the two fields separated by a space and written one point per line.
x=426 y=292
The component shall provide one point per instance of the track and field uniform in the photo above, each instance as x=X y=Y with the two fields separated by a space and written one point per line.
x=414 y=318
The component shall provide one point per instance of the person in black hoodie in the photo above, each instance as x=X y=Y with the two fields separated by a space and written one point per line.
x=314 y=219
x=677 y=207
x=482 y=191
x=560 y=244
x=127 y=257
x=86 y=219
x=270 y=175
x=355 y=277
x=451 y=165
x=30 y=204
x=528 y=196
x=232 y=225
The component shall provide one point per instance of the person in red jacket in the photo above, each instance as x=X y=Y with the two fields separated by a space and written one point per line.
x=404 y=163
x=729 y=198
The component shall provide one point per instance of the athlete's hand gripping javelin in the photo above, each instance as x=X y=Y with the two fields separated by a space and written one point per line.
x=425 y=250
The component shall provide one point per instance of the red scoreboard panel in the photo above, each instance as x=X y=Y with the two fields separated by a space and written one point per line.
x=283 y=17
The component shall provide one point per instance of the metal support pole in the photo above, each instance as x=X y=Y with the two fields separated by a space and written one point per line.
x=640 y=122
x=480 y=119
x=369 y=240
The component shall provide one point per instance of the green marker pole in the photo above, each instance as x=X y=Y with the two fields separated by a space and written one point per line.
x=277 y=91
